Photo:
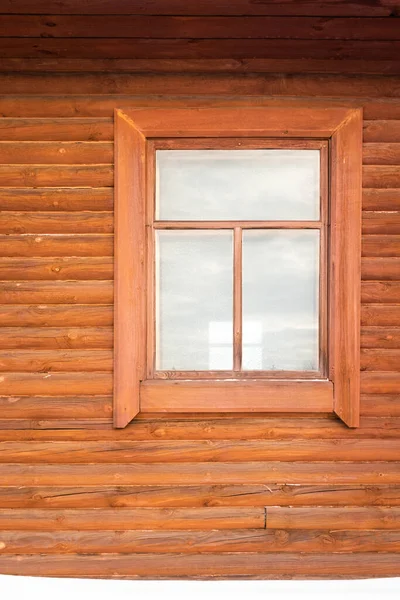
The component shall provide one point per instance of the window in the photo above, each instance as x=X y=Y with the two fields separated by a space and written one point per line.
x=237 y=260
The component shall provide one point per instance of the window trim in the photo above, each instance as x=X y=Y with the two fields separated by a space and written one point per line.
x=341 y=392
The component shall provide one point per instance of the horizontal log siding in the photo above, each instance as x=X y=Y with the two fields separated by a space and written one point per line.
x=290 y=497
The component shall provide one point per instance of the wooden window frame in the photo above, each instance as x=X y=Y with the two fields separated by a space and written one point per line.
x=237 y=227
x=135 y=132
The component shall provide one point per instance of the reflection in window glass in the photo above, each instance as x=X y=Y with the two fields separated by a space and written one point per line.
x=206 y=185
x=194 y=287
x=280 y=300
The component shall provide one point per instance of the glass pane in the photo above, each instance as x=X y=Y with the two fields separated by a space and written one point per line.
x=212 y=185
x=194 y=288
x=280 y=300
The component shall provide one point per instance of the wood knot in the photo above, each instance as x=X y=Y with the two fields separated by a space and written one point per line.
x=327 y=539
x=159 y=432
x=281 y=537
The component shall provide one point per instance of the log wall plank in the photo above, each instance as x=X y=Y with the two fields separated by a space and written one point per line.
x=265 y=565
x=209 y=27
x=333 y=518
x=190 y=542
x=50 y=268
x=197 y=496
x=219 y=7
x=57 y=199
x=133 y=518
x=197 y=451
x=285 y=473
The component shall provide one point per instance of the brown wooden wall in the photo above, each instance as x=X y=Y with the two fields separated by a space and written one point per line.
x=69 y=483
x=184 y=496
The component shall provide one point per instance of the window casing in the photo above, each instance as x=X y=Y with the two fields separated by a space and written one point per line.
x=142 y=383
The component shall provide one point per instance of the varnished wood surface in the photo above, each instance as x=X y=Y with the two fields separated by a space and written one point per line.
x=206 y=27
x=258 y=472
x=62 y=465
x=144 y=84
x=237 y=565
x=378 y=8
x=126 y=452
x=261 y=495
x=192 y=542
x=235 y=36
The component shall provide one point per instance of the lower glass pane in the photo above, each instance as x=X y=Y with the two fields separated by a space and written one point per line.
x=281 y=300
x=194 y=297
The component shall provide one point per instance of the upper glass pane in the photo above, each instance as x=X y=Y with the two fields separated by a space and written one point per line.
x=237 y=185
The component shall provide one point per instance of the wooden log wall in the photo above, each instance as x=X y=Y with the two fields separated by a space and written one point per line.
x=189 y=495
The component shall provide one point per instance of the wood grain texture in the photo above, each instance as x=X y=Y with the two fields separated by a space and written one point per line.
x=252 y=121
x=219 y=7
x=57 y=199
x=266 y=565
x=193 y=426
x=248 y=473
x=109 y=496
x=190 y=542
x=320 y=85
x=56 y=245
x=196 y=451
x=380 y=337
x=43 y=175
x=380 y=405
x=206 y=27
x=98 y=106
x=45 y=361
x=380 y=314
x=56 y=315
x=87 y=268
x=130 y=279
x=56 y=338
x=332 y=518
x=381 y=292
x=56 y=292
x=133 y=518
x=56 y=222
x=381 y=176
x=381 y=199
x=380 y=269
x=46 y=129
x=376 y=223
x=380 y=382
x=57 y=383
x=382 y=131
x=55 y=407
x=61 y=153
x=199 y=48
x=331 y=492
x=194 y=65
x=246 y=396
x=381 y=154
x=345 y=274
x=382 y=359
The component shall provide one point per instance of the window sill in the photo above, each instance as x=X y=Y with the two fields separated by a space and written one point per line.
x=254 y=395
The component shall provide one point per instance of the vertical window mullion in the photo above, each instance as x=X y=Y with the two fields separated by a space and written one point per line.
x=237 y=299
